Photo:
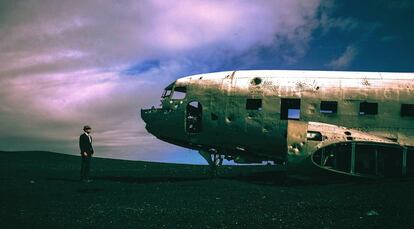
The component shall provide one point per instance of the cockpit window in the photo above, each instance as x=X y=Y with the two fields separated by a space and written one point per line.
x=179 y=92
x=167 y=91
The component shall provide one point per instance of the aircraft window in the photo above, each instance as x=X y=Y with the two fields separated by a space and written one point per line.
x=179 y=93
x=167 y=91
x=166 y=94
x=290 y=109
x=407 y=110
x=314 y=136
x=329 y=107
x=366 y=108
x=193 y=117
x=254 y=104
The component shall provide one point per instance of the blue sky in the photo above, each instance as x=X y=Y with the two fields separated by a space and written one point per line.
x=65 y=64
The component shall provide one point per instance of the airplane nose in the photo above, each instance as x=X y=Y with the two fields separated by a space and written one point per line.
x=145 y=115
x=151 y=118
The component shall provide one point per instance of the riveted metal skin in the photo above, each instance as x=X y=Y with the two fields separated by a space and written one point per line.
x=255 y=135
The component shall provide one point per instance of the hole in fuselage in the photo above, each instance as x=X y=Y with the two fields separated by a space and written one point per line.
x=229 y=119
x=256 y=81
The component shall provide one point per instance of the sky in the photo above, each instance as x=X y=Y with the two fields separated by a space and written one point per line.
x=65 y=64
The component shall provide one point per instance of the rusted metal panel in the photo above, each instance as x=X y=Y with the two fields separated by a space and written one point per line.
x=262 y=134
x=297 y=139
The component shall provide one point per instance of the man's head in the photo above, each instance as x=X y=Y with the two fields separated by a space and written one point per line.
x=87 y=129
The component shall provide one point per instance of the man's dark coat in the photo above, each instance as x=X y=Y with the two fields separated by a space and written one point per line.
x=85 y=145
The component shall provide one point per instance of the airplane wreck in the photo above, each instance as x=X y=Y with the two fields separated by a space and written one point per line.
x=355 y=123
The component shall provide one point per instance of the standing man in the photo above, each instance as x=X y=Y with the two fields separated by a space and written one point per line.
x=85 y=145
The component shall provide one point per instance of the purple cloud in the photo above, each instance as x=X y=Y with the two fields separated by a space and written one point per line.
x=62 y=63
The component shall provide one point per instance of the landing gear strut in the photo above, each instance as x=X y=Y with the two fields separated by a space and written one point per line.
x=213 y=159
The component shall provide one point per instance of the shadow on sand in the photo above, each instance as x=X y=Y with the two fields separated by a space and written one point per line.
x=149 y=179
x=267 y=178
x=286 y=179
x=258 y=178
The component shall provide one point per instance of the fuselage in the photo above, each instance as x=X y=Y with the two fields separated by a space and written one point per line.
x=245 y=114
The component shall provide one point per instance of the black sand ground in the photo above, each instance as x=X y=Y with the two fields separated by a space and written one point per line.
x=40 y=189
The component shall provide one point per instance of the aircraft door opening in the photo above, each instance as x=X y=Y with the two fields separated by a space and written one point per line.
x=193 y=117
